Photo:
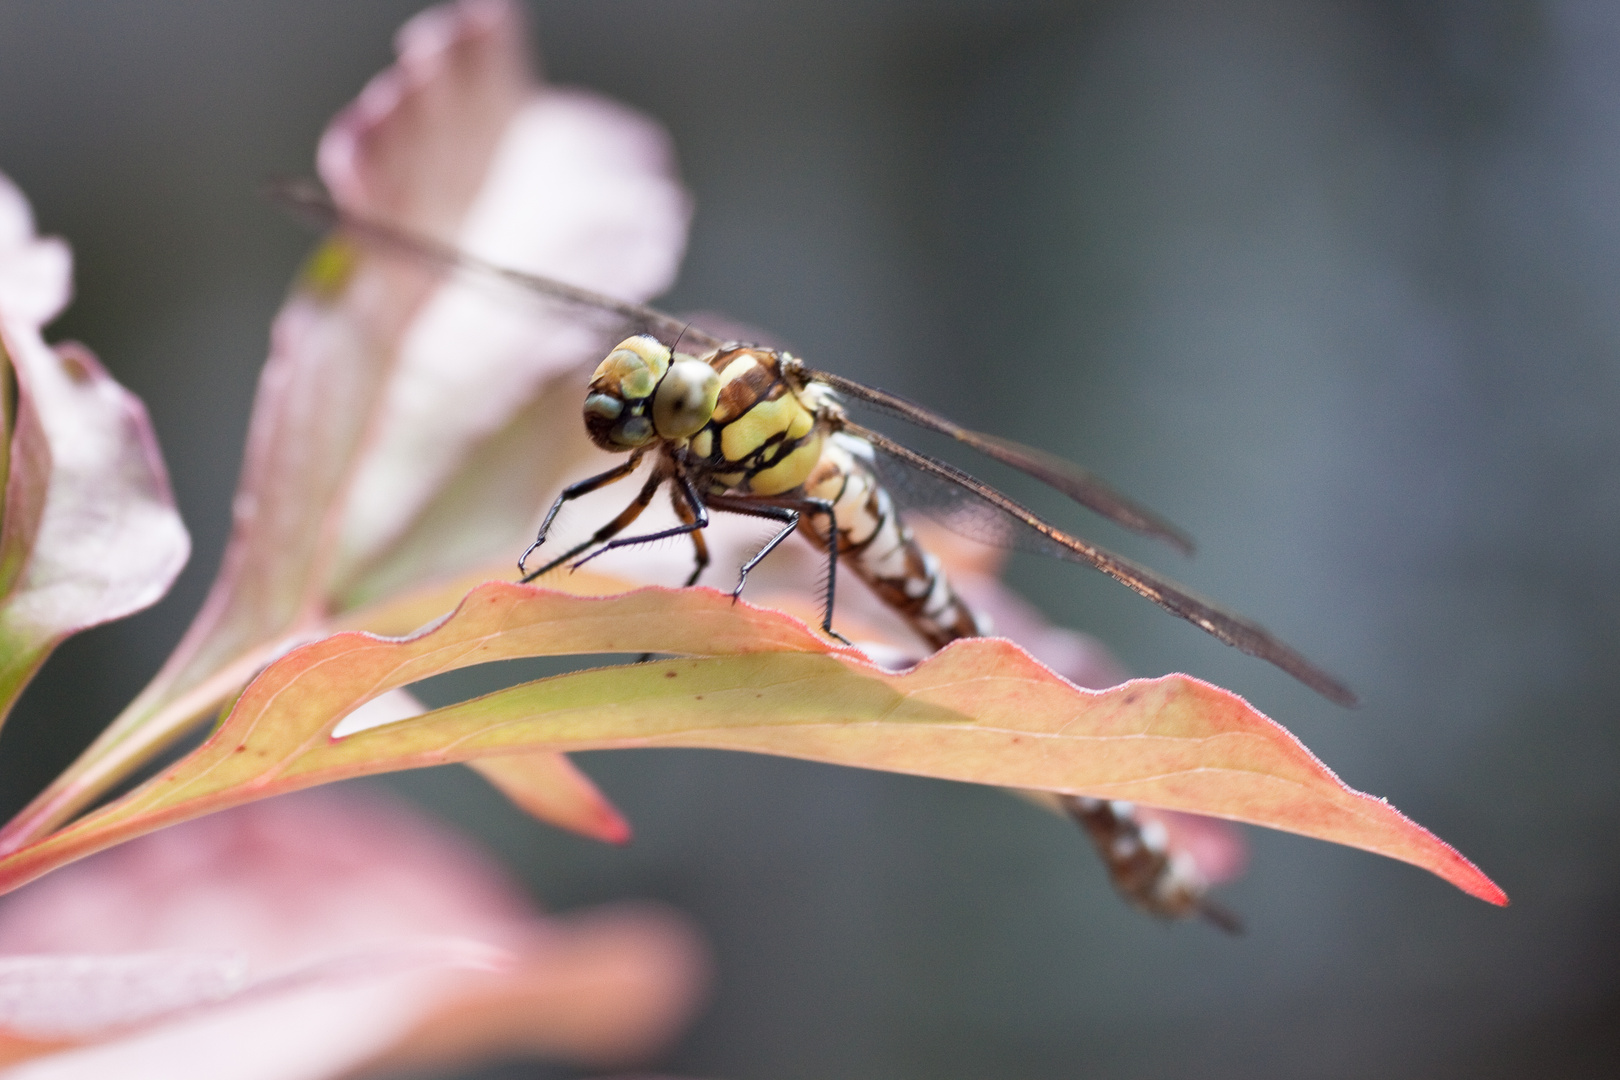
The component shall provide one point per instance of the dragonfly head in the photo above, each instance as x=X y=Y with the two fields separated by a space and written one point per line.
x=619 y=399
x=640 y=393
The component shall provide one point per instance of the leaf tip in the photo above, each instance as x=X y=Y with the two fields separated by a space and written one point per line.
x=1488 y=891
x=615 y=829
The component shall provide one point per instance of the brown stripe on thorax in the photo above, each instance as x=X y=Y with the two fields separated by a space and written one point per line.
x=748 y=376
x=762 y=439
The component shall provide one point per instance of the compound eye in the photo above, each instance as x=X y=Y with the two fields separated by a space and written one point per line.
x=602 y=413
x=603 y=407
x=685 y=399
x=632 y=370
x=634 y=431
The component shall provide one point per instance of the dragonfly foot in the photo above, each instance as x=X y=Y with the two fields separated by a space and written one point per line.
x=523 y=559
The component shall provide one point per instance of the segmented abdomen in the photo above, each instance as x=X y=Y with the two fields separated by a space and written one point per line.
x=876 y=544
x=879 y=548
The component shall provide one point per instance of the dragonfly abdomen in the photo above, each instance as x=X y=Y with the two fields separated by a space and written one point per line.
x=875 y=542
x=877 y=545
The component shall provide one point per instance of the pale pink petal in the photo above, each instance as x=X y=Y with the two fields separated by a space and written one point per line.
x=75 y=997
x=146 y=1004
x=611 y=986
x=339 y=903
x=36 y=273
x=314 y=1032
x=90 y=532
x=282 y=881
x=415 y=146
x=581 y=189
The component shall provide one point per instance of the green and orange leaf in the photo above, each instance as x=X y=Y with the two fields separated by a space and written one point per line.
x=756 y=680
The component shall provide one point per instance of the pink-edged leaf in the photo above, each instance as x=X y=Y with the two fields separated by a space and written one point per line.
x=551 y=788
x=1217 y=848
x=90 y=531
x=405 y=430
x=980 y=710
x=313 y=935
x=547 y=786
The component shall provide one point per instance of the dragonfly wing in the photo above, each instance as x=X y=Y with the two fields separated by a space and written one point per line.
x=1078 y=484
x=308 y=200
x=980 y=512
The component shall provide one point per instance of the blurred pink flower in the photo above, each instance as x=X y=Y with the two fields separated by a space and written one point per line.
x=310 y=936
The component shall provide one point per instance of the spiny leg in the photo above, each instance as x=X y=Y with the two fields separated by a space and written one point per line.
x=700 y=546
x=790 y=519
x=574 y=491
x=700 y=520
x=612 y=528
x=788 y=511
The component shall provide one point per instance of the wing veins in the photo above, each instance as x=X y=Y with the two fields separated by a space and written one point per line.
x=308 y=200
x=1241 y=633
x=1083 y=487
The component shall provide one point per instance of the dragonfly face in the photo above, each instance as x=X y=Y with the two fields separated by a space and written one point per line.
x=639 y=394
x=732 y=419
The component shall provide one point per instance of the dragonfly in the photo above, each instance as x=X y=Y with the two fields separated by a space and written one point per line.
x=737 y=428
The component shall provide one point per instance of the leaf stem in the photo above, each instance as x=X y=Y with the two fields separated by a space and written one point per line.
x=146 y=728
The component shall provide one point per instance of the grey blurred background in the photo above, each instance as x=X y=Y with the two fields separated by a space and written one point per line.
x=1330 y=284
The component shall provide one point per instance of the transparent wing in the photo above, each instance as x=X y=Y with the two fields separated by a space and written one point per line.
x=308 y=200
x=957 y=499
x=980 y=512
x=1078 y=484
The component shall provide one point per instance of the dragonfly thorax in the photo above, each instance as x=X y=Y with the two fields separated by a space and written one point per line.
x=640 y=393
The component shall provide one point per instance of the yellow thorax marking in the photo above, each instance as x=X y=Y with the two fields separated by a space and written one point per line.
x=790 y=472
x=754 y=428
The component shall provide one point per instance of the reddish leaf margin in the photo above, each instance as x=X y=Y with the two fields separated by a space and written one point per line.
x=980 y=710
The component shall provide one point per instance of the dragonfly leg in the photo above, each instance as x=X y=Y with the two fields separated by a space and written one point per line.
x=700 y=546
x=788 y=511
x=574 y=491
x=612 y=528
x=700 y=520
